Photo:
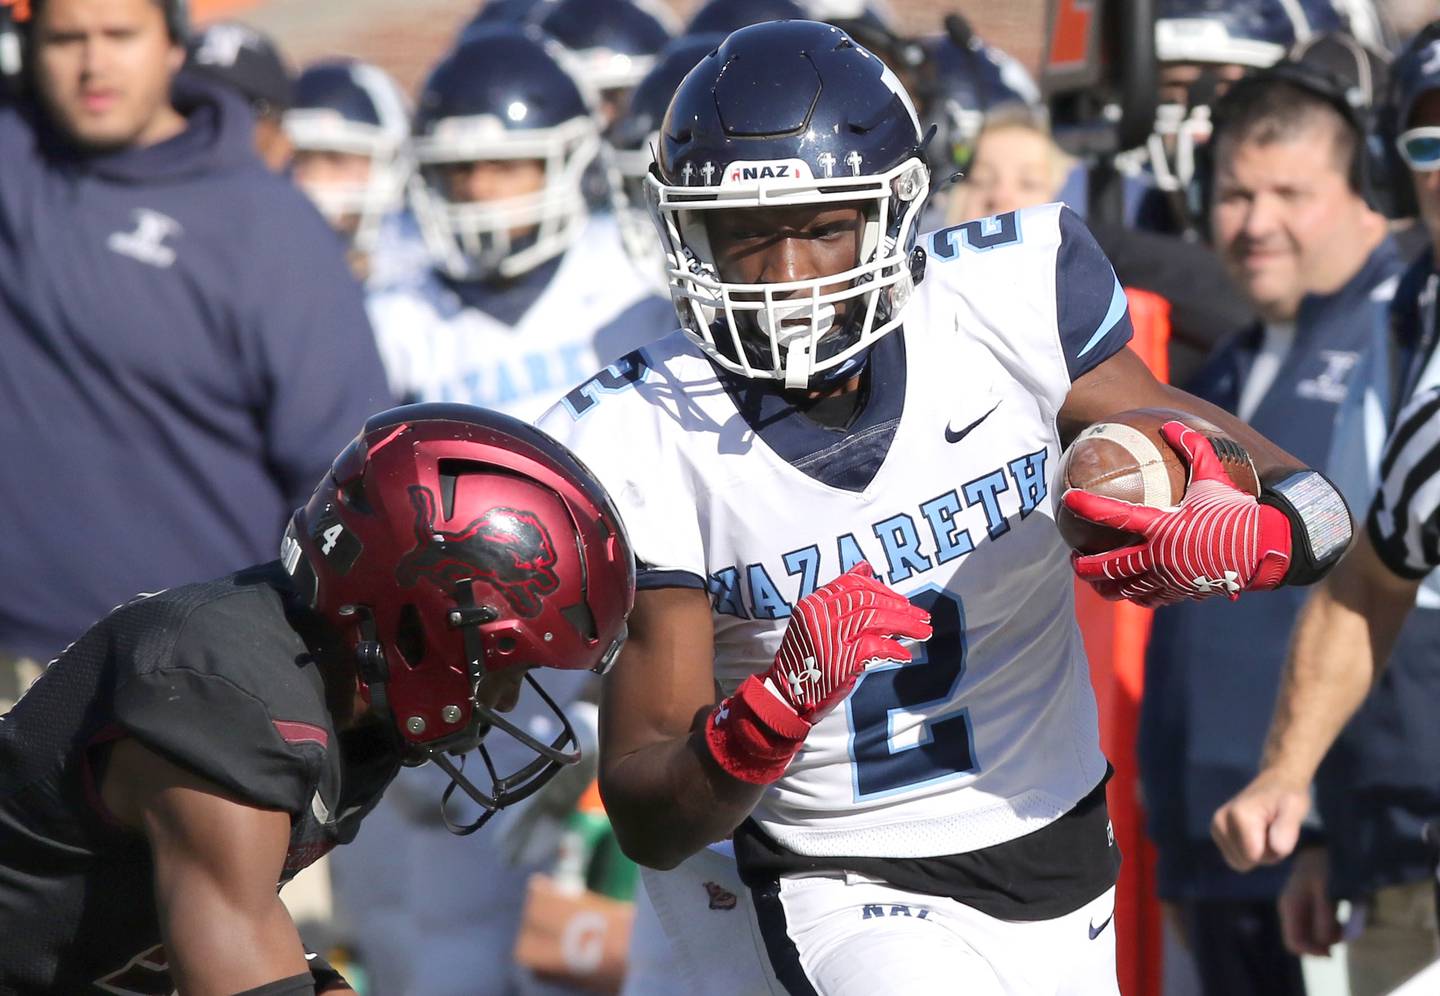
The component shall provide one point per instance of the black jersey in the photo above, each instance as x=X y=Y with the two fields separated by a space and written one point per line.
x=215 y=678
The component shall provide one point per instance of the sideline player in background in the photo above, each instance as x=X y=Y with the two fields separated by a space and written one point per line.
x=349 y=127
x=198 y=746
x=527 y=294
x=806 y=480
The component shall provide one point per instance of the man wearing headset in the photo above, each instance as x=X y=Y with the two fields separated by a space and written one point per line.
x=1352 y=626
x=1292 y=224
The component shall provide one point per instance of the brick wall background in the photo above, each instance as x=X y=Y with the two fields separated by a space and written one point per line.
x=408 y=37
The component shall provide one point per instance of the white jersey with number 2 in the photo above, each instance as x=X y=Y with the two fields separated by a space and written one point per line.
x=990 y=732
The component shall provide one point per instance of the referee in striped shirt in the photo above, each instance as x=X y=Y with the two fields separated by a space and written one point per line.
x=1346 y=630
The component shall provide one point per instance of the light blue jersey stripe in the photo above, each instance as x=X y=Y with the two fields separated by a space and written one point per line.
x=1111 y=319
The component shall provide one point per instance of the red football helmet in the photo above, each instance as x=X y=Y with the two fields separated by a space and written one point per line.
x=448 y=541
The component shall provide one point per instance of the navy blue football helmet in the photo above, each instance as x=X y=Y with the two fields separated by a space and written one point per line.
x=354 y=109
x=614 y=42
x=1250 y=33
x=725 y=16
x=502 y=94
x=873 y=13
x=632 y=140
x=790 y=113
x=968 y=80
x=1239 y=32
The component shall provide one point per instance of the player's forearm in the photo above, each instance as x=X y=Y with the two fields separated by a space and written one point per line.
x=1271 y=461
x=1123 y=382
x=669 y=800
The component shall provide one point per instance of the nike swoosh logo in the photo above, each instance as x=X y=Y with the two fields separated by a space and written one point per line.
x=953 y=436
x=1096 y=931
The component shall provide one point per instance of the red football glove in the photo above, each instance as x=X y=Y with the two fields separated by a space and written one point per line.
x=833 y=634
x=1218 y=540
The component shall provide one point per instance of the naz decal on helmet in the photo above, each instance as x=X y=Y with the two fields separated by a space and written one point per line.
x=505 y=547
x=744 y=172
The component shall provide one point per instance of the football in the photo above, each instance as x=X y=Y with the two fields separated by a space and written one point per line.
x=1125 y=457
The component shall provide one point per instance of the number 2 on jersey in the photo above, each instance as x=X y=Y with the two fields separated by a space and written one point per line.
x=943 y=745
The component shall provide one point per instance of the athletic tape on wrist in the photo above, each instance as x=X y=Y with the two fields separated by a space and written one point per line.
x=1320 y=523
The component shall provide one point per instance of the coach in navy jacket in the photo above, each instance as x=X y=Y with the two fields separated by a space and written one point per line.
x=1314 y=261
x=182 y=349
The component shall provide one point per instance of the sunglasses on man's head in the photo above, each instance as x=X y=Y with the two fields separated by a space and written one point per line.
x=1420 y=148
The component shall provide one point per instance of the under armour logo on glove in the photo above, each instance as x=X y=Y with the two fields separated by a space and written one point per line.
x=1218 y=540
x=1230 y=584
x=809 y=673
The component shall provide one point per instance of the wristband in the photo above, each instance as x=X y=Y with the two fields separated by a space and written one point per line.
x=753 y=735
x=1320 y=525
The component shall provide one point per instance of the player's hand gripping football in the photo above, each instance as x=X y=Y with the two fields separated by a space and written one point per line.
x=834 y=632
x=1218 y=540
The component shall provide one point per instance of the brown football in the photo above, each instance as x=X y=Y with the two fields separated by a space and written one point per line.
x=1126 y=457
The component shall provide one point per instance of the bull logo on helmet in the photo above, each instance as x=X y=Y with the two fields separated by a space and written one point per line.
x=507 y=548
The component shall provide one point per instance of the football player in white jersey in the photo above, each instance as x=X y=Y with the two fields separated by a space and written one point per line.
x=855 y=652
x=528 y=294
x=349 y=127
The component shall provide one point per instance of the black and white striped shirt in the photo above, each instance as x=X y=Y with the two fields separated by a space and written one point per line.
x=1404 y=521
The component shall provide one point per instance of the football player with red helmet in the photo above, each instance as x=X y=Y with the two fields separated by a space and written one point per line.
x=201 y=745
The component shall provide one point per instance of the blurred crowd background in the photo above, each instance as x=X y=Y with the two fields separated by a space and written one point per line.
x=473 y=228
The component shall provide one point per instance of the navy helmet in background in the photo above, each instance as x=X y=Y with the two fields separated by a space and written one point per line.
x=631 y=142
x=501 y=94
x=814 y=120
x=506 y=12
x=967 y=80
x=1221 y=38
x=725 y=16
x=876 y=13
x=614 y=42
x=1254 y=33
x=346 y=108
